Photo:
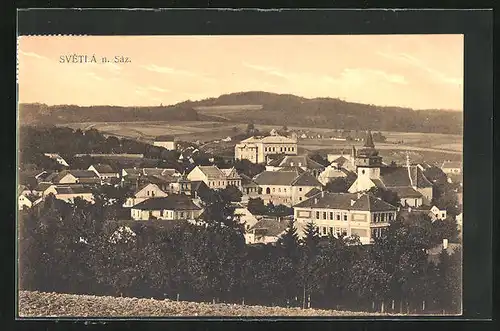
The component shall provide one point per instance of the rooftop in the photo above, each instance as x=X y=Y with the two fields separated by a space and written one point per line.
x=103 y=168
x=272 y=228
x=451 y=164
x=172 y=202
x=346 y=201
x=270 y=139
x=295 y=160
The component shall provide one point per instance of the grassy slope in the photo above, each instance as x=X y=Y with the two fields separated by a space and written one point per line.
x=38 y=304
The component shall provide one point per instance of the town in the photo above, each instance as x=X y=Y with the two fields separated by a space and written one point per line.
x=306 y=190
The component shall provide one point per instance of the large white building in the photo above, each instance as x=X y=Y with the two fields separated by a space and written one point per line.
x=256 y=149
x=345 y=214
x=167 y=142
x=172 y=207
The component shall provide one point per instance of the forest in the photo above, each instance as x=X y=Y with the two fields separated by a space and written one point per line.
x=80 y=248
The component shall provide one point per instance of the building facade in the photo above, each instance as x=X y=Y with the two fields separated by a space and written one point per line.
x=214 y=177
x=172 y=207
x=256 y=149
x=345 y=214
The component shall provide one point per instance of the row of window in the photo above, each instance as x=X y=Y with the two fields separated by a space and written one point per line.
x=377 y=232
x=281 y=149
x=331 y=216
x=382 y=217
x=223 y=183
x=324 y=230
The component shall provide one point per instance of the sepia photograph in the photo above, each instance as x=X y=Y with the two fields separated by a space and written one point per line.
x=240 y=175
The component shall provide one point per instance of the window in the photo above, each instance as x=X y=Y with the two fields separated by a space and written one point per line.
x=324 y=215
x=390 y=217
x=382 y=217
x=442 y=215
x=300 y=198
x=331 y=229
x=344 y=231
x=281 y=149
x=437 y=215
x=416 y=202
x=331 y=215
x=300 y=189
x=284 y=190
x=293 y=148
x=182 y=214
x=279 y=190
x=324 y=230
x=161 y=213
x=317 y=215
x=363 y=171
x=274 y=189
x=338 y=217
x=345 y=217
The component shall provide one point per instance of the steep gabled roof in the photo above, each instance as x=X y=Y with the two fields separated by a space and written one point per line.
x=172 y=202
x=212 y=172
x=247 y=181
x=83 y=173
x=306 y=179
x=295 y=161
x=103 y=168
x=395 y=176
x=312 y=192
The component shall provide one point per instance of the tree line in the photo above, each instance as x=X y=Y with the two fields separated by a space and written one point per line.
x=80 y=248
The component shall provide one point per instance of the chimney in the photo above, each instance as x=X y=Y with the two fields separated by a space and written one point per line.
x=291 y=164
x=445 y=244
x=322 y=194
x=315 y=201
x=352 y=202
x=409 y=209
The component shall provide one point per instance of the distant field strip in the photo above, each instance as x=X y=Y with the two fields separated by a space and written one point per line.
x=39 y=304
x=226 y=109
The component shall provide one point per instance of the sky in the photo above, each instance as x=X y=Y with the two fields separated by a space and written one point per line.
x=416 y=71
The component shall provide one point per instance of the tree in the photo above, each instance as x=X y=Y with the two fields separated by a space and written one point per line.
x=341 y=184
x=256 y=206
x=320 y=159
x=248 y=168
x=289 y=241
x=231 y=193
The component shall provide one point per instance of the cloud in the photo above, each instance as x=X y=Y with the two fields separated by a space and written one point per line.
x=435 y=74
x=157 y=89
x=360 y=75
x=168 y=70
x=268 y=70
x=33 y=55
x=94 y=75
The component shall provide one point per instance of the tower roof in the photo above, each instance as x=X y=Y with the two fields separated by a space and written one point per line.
x=369 y=140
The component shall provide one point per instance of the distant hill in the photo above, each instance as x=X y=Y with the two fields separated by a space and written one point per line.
x=260 y=108
x=287 y=109
x=36 y=113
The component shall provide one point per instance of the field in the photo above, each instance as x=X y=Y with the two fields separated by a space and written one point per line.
x=39 y=304
x=422 y=145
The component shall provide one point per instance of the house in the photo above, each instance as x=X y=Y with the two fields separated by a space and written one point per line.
x=145 y=192
x=347 y=214
x=166 y=141
x=214 y=177
x=69 y=193
x=57 y=158
x=301 y=161
x=287 y=186
x=265 y=231
x=104 y=171
x=409 y=181
x=256 y=149
x=435 y=213
x=73 y=177
x=172 y=207
x=245 y=217
x=250 y=188
x=26 y=200
x=131 y=174
x=452 y=167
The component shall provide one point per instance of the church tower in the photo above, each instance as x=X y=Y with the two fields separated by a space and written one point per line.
x=368 y=162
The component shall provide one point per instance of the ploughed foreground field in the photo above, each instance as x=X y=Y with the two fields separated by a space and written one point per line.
x=39 y=304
